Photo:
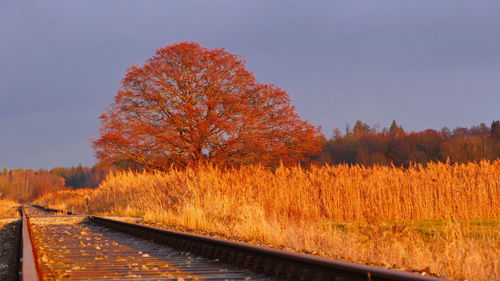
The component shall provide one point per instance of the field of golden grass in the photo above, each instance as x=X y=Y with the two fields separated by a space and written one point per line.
x=440 y=218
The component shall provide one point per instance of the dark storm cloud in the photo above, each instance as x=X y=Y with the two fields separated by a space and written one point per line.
x=424 y=63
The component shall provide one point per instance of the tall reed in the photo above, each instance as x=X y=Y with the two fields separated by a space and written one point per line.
x=355 y=213
x=337 y=193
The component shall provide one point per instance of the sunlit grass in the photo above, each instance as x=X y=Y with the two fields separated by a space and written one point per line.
x=8 y=208
x=440 y=218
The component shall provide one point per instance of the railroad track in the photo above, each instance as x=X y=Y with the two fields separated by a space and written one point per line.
x=59 y=246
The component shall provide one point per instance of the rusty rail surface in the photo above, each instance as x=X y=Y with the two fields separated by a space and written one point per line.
x=29 y=270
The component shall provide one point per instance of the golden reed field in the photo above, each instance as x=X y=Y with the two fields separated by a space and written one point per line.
x=440 y=218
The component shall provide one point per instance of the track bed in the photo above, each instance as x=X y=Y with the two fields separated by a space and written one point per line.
x=70 y=248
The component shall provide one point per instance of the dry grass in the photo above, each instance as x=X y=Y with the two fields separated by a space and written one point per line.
x=67 y=200
x=8 y=209
x=303 y=209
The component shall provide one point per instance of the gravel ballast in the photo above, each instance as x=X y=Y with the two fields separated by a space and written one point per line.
x=9 y=248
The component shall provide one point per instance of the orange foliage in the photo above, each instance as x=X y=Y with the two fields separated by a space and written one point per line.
x=188 y=103
x=369 y=146
x=25 y=185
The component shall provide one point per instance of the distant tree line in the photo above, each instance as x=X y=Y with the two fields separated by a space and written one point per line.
x=80 y=176
x=26 y=184
x=367 y=145
x=361 y=144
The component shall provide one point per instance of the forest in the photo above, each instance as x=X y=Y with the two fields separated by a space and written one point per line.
x=26 y=184
x=361 y=144
x=367 y=145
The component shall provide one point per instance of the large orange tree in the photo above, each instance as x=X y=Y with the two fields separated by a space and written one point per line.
x=189 y=104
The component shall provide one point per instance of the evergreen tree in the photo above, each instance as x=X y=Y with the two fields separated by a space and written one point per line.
x=361 y=129
x=495 y=129
x=395 y=130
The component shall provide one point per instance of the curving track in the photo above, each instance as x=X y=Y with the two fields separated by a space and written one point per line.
x=94 y=248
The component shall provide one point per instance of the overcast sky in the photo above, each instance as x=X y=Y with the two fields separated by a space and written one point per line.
x=425 y=63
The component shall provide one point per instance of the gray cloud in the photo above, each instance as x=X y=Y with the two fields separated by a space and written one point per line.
x=424 y=63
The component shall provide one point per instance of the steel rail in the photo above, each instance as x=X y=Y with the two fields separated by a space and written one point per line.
x=52 y=210
x=281 y=264
x=29 y=269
